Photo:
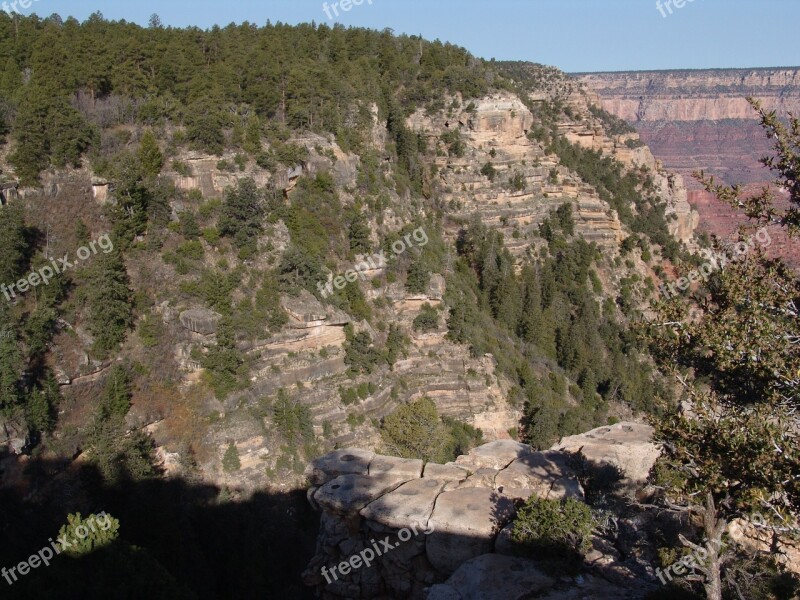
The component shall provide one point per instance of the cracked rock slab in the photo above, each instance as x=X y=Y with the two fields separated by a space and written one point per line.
x=448 y=472
x=464 y=523
x=349 y=461
x=348 y=494
x=494 y=455
x=410 y=504
x=401 y=467
x=545 y=474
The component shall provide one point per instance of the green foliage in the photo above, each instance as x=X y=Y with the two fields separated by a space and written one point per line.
x=14 y=246
x=48 y=130
x=611 y=123
x=150 y=156
x=427 y=320
x=268 y=304
x=89 y=534
x=230 y=461
x=293 y=420
x=489 y=171
x=415 y=431
x=117 y=453
x=455 y=145
x=41 y=409
x=360 y=354
x=396 y=343
x=224 y=363
x=619 y=189
x=242 y=214
x=463 y=437
x=418 y=278
x=553 y=529
x=359 y=234
x=110 y=313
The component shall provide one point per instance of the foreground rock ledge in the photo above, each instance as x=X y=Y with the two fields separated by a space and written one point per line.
x=442 y=522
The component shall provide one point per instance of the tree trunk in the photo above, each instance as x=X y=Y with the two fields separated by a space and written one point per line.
x=714 y=530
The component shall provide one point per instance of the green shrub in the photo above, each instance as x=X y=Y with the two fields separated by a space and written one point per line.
x=89 y=534
x=192 y=249
x=181 y=168
x=230 y=461
x=548 y=528
x=427 y=319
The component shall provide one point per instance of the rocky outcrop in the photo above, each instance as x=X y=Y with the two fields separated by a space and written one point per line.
x=200 y=320
x=449 y=521
x=627 y=447
x=527 y=182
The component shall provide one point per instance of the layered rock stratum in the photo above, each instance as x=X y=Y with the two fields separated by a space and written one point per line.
x=700 y=120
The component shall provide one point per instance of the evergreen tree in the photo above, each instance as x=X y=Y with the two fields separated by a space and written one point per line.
x=149 y=155
x=735 y=451
x=110 y=313
x=242 y=214
x=415 y=431
x=230 y=461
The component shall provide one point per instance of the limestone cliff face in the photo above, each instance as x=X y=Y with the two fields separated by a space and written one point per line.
x=527 y=183
x=711 y=95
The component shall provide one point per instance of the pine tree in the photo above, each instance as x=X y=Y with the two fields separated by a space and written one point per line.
x=110 y=312
x=230 y=461
x=149 y=155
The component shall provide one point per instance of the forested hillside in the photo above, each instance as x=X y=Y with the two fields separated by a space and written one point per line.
x=297 y=239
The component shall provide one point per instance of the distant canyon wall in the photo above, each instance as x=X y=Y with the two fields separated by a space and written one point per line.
x=701 y=120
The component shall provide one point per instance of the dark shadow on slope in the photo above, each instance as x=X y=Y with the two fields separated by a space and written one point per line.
x=178 y=538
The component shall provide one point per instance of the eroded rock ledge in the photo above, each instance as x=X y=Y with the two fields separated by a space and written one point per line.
x=461 y=511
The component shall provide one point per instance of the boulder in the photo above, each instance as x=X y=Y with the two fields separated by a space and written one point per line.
x=200 y=320
x=340 y=462
x=545 y=474
x=628 y=447
x=463 y=525
x=494 y=455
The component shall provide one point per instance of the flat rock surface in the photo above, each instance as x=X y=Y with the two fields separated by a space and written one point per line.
x=628 y=447
x=410 y=504
x=494 y=455
x=463 y=524
x=407 y=467
x=348 y=494
x=340 y=462
x=546 y=474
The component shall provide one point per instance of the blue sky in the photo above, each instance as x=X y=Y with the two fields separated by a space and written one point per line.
x=574 y=35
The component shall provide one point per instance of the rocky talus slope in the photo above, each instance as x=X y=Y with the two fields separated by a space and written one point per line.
x=461 y=512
